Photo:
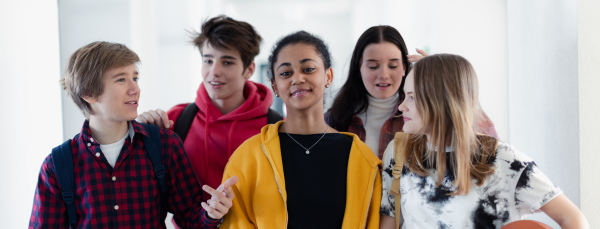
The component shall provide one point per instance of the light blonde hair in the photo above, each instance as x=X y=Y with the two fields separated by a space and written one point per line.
x=83 y=76
x=446 y=94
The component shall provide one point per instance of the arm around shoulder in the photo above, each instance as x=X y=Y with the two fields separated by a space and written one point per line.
x=565 y=213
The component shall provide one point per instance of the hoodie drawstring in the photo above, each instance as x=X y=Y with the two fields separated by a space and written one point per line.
x=230 y=139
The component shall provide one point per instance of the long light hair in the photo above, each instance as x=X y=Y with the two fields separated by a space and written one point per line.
x=446 y=94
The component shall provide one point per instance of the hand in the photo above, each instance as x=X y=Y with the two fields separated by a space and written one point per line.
x=415 y=58
x=156 y=117
x=221 y=200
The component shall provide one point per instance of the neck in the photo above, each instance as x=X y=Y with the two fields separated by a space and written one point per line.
x=310 y=122
x=229 y=104
x=107 y=132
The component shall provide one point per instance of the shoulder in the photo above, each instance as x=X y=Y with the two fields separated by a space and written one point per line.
x=508 y=157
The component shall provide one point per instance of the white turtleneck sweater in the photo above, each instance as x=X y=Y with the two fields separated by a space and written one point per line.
x=379 y=111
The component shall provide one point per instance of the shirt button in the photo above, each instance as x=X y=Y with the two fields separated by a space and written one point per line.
x=114 y=178
x=91 y=139
x=97 y=154
x=116 y=207
x=89 y=144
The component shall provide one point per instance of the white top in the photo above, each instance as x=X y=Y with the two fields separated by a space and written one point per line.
x=111 y=151
x=515 y=189
x=379 y=111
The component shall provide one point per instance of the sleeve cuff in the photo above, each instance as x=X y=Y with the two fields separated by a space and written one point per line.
x=209 y=222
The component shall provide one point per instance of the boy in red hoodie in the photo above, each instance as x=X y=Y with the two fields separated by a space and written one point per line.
x=230 y=108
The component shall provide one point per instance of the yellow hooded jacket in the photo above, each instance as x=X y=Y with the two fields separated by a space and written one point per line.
x=260 y=194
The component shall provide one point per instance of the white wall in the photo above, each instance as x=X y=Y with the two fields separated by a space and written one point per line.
x=543 y=88
x=30 y=101
x=589 y=123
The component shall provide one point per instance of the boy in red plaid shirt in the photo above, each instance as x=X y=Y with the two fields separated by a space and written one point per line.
x=115 y=185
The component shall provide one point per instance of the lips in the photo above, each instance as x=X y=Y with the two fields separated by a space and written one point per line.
x=383 y=85
x=300 y=92
x=132 y=102
x=215 y=83
x=406 y=119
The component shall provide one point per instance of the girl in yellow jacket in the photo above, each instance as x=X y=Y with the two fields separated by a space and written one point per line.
x=301 y=173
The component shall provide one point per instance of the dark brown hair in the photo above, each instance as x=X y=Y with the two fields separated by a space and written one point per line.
x=223 y=32
x=83 y=76
x=353 y=96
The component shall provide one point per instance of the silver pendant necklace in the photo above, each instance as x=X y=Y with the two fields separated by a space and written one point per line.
x=307 y=150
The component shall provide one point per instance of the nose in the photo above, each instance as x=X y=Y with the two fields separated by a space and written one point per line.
x=134 y=88
x=383 y=73
x=216 y=70
x=402 y=107
x=298 y=78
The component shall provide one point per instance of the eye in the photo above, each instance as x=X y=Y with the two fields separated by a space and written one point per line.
x=136 y=79
x=285 y=73
x=208 y=61
x=393 y=67
x=228 y=63
x=121 y=80
x=373 y=67
x=308 y=69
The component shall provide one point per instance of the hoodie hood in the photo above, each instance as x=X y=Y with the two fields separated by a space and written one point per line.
x=258 y=100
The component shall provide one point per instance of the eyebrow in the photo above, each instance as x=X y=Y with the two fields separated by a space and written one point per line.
x=223 y=57
x=124 y=73
x=283 y=64
x=393 y=59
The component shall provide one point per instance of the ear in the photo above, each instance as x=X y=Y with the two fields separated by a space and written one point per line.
x=274 y=87
x=249 y=70
x=329 y=74
x=89 y=99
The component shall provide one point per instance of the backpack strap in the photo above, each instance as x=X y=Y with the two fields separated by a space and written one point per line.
x=184 y=121
x=399 y=151
x=154 y=150
x=273 y=116
x=62 y=160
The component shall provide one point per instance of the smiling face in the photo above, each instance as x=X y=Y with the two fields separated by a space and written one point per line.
x=300 y=77
x=382 y=69
x=119 y=99
x=413 y=124
x=223 y=74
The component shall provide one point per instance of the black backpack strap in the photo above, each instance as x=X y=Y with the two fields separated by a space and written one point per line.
x=184 y=121
x=154 y=150
x=273 y=116
x=62 y=160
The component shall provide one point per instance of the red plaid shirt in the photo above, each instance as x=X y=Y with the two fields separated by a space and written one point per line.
x=127 y=196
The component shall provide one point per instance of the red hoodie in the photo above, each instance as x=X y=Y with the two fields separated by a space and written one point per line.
x=213 y=136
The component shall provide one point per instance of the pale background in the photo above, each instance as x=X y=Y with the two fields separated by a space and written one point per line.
x=537 y=63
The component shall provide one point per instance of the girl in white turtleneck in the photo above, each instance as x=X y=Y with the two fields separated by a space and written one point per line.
x=367 y=102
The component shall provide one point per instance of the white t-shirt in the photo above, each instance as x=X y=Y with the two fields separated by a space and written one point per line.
x=515 y=189
x=111 y=151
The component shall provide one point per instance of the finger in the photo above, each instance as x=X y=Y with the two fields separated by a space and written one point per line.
x=141 y=119
x=422 y=52
x=232 y=180
x=212 y=213
x=164 y=118
x=222 y=208
x=148 y=117
x=171 y=123
x=157 y=119
x=214 y=193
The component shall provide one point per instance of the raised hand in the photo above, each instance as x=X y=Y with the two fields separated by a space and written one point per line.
x=221 y=198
